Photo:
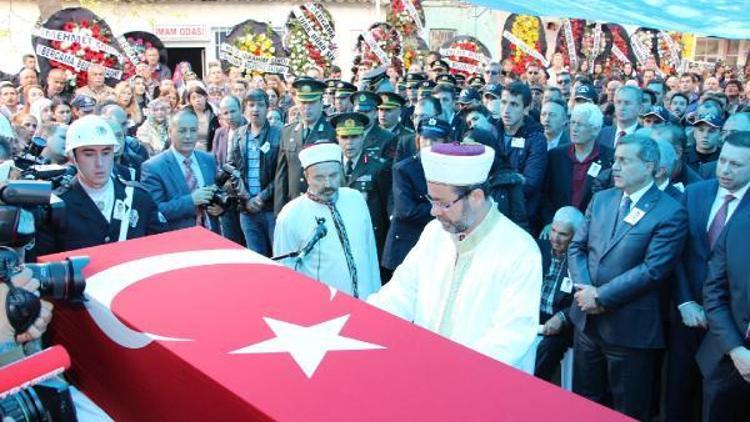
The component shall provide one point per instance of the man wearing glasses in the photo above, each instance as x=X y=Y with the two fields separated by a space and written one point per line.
x=473 y=276
x=563 y=82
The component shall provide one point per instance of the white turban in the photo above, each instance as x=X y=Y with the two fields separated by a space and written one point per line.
x=457 y=164
x=320 y=153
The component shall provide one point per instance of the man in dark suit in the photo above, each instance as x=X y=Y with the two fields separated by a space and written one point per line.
x=99 y=207
x=445 y=92
x=411 y=209
x=379 y=143
x=255 y=155
x=724 y=355
x=524 y=144
x=618 y=261
x=312 y=128
x=181 y=180
x=557 y=292
x=571 y=169
x=627 y=108
x=369 y=175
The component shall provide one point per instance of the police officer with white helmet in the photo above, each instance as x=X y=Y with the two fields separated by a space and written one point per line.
x=100 y=208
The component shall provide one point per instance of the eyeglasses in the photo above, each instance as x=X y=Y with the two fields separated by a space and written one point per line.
x=445 y=206
x=534 y=72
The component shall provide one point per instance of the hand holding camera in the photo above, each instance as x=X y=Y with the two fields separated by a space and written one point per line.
x=10 y=299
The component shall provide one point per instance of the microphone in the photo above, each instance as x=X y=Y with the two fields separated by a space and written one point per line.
x=320 y=232
x=32 y=370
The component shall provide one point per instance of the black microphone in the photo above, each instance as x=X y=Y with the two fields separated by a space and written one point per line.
x=320 y=232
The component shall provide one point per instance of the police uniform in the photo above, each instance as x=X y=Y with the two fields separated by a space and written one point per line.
x=86 y=226
x=369 y=175
x=290 y=180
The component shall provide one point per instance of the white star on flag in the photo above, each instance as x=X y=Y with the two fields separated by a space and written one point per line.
x=307 y=345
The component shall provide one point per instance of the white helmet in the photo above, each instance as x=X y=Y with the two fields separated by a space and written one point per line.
x=89 y=131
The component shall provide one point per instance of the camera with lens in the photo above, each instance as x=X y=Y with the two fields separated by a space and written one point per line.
x=232 y=188
x=58 y=175
x=26 y=205
x=47 y=401
x=32 y=154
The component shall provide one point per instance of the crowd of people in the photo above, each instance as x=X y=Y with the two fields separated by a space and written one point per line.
x=520 y=215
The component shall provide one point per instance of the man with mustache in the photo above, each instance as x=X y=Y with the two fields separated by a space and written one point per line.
x=344 y=257
x=473 y=276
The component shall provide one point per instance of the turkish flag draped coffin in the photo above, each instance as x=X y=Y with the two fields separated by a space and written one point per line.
x=189 y=326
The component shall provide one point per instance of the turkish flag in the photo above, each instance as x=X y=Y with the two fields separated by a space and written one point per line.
x=189 y=326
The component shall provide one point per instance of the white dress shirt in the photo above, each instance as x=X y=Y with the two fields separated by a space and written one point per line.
x=103 y=198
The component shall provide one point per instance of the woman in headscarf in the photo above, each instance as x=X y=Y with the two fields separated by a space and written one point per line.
x=154 y=133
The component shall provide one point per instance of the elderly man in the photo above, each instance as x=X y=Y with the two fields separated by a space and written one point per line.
x=131 y=153
x=710 y=204
x=95 y=87
x=682 y=175
x=554 y=119
x=627 y=108
x=667 y=160
x=572 y=169
x=99 y=208
x=311 y=128
x=557 y=293
x=344 y=257
x=182 y=180
x=56 y=84
x=452 y=281
x=618 y=262
x=27 y=77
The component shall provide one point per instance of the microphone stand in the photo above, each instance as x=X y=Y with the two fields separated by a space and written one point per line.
x=303 y=251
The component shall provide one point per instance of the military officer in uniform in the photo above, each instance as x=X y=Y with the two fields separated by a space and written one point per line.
x=99 y=207
x=412 y=87
x=389 y=112
x=425 y=89
x=367 y=174
x=311 y=128
x=328 y=96
x=342 y=102
x=379 y=143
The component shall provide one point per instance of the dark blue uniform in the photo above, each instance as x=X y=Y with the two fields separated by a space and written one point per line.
x=86 y=226
x=411 y=211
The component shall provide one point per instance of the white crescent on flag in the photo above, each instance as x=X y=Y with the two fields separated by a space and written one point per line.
x=104 y=286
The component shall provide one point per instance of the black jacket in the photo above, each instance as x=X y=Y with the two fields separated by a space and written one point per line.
x=506 y=189
x=268 y=144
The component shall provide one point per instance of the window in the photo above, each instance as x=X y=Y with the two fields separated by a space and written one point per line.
x=439 y=36
x=715 y=49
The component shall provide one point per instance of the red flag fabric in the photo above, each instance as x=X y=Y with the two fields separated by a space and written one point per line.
x=189 y=326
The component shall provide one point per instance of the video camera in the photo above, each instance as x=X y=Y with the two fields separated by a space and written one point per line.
x=31 y=390
x=35 y=167
x=25 y=206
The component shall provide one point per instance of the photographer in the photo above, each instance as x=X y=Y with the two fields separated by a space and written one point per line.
x=99 y=207
x=182 y=180
x=54 y=134
x=254 y=156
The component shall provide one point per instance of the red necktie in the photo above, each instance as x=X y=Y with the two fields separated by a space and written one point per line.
x=619 y=136
x=192 y=184
x=720 y=220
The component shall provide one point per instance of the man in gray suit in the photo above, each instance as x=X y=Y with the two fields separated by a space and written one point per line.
x=618 y=262
x=181 y=180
